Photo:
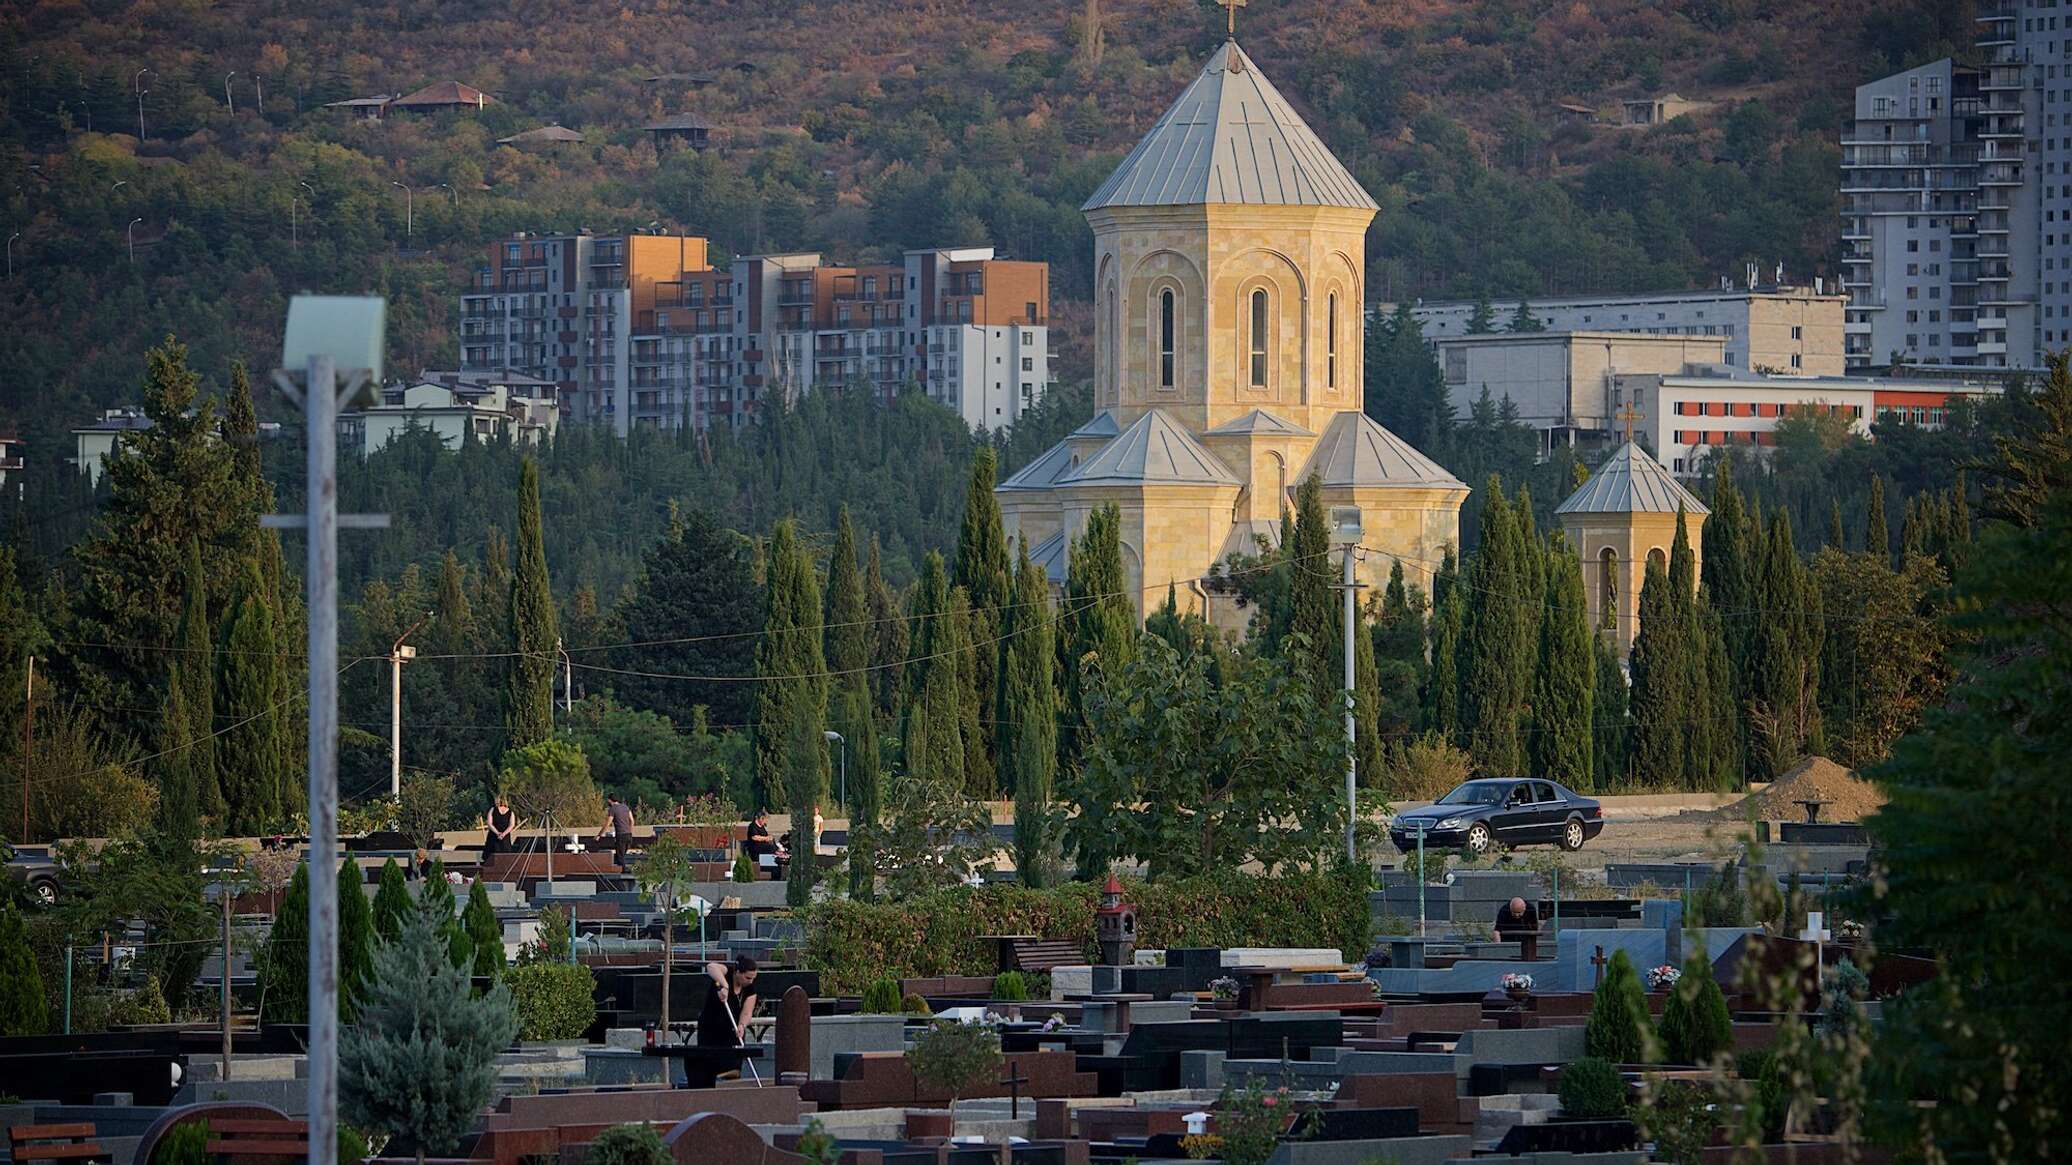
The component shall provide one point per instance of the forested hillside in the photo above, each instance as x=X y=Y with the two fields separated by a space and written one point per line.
x=859 y=127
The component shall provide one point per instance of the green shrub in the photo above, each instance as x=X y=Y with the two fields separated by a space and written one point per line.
x=744 y=868
x=1679 y=1117
x=915 y=1005
x=554 y=1000
x=1250 y=1121
x=186 y=1144
x=956 y=1057
x=352 y=1146
x=23 y=1011
x=634 y=1144
x=945 y=932
x=1592 y=1089
x=1772 y=1096
x=1010 y=987
x=881 y=998
x=1695 y=1024
x=1619 y=1029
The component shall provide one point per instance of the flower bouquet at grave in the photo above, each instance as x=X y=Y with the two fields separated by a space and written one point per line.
x=1056 y=1022
x=1223 y=990
x=1516 y=984
x=1662 y=978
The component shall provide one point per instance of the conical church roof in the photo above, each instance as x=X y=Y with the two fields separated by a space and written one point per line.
x=1356 y=452
x=1153 y=451
x=1231 y=138
x=1631 y=482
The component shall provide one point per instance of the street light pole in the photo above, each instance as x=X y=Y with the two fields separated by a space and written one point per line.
x=409 y=211
x=227 y=98
x=137 y=83
x=448 y=188
x=133 y=240
x=398 y=653
x=10 y=253
x=837 y=738
x=1347 y=521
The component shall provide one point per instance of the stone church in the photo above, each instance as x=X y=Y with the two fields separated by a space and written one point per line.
x=1229 y=284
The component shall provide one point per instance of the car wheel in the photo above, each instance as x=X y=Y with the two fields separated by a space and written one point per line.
x=45 y=893
x=1572 y=835
x=1479 y=840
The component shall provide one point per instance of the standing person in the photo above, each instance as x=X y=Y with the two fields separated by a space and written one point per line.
x=503 y=828
x=724 y=1021
x=618 y=826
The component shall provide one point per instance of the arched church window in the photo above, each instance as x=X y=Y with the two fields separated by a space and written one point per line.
x=1608 y=586
x=1331 y=341
x=1259 y=338
x=1167 y=373
x=1656 y=560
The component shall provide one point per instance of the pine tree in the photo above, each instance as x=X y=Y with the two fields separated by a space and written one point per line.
x=1564 y=686
x=1482 y=319
x=249 y=752
x=890 y=638
x=934 y=746
x=1876 y=535
x=985 y=573
x=284 y=969
x=392 y=902
x=1099 y=621
x=485 y=934
x=1661 y=699
x=421 y=1062
x=1405 y=388
x=23 y=1010
x=1785 y=683
x=1028 y=742
x=851 y=710
x=1611 y=737
x=1522 y=320
x=356 y=940
x=529 y=683
x=695 y=612
x=1497 y=650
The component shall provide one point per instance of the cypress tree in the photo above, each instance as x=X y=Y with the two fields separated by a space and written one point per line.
x=1729 y=580
x=1564 y=686
x=1099 y=619
x=890 y=637
x=1661 y=699
x=392 y=903
x=177 y=811
x=435 y=902
x=985 y=573
x=1313 y=613
x=485 y=934
x=23 y=1010
x=1497 y=646
x=1620 y=1029
x=195 y=669
x=1835 y=537
x=1699 y=728
x=249 y=752
x=356 y=940
x=934 y=748
x=1442 y=686
x=972 y=700
x=1611 y=737
x=1876 y=535
x=1028 y=748
x=848 y=634
x=529 y=688
x=791 y=693
x=1785 y=682
x=284 y=971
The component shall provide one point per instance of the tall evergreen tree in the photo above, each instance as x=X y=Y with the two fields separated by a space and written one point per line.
x=1399 y=657
x=934 y=746
x=1611 y=738
x=1564 y=687
x=1497 y=647
x=986 y=575
x=1313 y=607
x=178 y=815
x=356 y=940
x=890 y=637
x=1701 y=731
x=392 y=902
x=435 y=902
x=249 y=752
x=1369 y=749
x=1099 y=621
x=194 y=671
x=1729 y=580
x=1876 y=535
x=284 y=966
x=1835 y=535
x=1482 y=320
x=1442 y=686
x=695 y=612
x=1721 y=714
x=485 y=934
x=1029 y=744
x=1405 y=388
x=1784 y=686
x=23 y=1011
x=1661 y=700
x=973 y=702
x=1522 y=320
x=850 y=705
x=535 y=636
x=791 y=692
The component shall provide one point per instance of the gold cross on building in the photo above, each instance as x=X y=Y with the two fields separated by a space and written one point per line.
x=1626 y=416
x=1230 y=9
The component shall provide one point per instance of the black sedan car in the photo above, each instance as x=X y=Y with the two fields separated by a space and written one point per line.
x=35 y=877
x=1478 y=816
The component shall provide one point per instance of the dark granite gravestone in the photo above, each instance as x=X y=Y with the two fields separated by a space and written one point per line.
x=1355 y=1124
x=794 y=1034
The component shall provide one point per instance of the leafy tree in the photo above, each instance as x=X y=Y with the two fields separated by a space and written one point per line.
x=630 y=1144
x=356 y=940
x=284 y=971
x=1209 y=761
x=392 y=902
x=256 y=790
x=485 y=933
x=22 y=1008
x=1098 y=621
x=1564 y=686
x=956 y=1057
x=424 y=806
x=1028 y=720
x=694 y=613
x=986 y=574
x=1885 y=665
x=549 y=783
x=535 y=635
x=848 y=633
x=421 y=1062
x=642 y=757
x=791 y=694
x=1619 y=1028
x=667 y=872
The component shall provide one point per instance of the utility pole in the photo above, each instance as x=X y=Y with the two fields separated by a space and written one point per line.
x=1347 y=521
x=28 y=742
x=397 y=655
x=133 y=240
x=137 y=83
x=223 y=891
x=837 y=738
x=10 y=253
x=319 y=329
x=409 y=211
x=227 y=98
x=568 y=681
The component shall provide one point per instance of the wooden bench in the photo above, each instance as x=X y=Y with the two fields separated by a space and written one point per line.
x=73 y=1142
x=258 y=1138
x=1043 y=955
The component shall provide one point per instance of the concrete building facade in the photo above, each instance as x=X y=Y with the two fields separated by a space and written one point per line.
x=455 y=407
x=1561 y=382
x=1784 y=329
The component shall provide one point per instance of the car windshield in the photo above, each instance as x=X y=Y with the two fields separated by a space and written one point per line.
x=1474 y=794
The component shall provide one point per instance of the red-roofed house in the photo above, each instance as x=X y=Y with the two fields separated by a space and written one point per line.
x=442 y=95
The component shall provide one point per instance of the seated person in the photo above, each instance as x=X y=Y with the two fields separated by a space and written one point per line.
x=759 y=842
x=1517 y=919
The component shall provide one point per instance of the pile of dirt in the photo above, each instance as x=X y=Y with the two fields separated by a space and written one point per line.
x=1815 y=778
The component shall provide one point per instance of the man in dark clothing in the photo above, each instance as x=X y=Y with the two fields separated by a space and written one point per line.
x=618 y=825
x=759 y=842
x=1519 y=921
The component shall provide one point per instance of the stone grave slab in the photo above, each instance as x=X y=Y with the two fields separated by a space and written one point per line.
x=834 y=1035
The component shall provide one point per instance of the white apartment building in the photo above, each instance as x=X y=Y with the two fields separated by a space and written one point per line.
x=454 y=406
x=1782 y=329
x=1957 y=201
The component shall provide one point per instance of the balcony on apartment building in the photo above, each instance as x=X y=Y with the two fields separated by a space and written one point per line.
x=794 y=292
x=1870 y=154
x=2002 y=77
x=2000 y=174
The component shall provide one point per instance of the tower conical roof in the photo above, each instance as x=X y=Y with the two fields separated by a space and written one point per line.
x=1356 y=452
x=1231 y=138
x=1153 y=451
x=1631 y=482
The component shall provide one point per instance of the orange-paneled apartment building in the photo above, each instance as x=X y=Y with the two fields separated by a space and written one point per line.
x=640 y=330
